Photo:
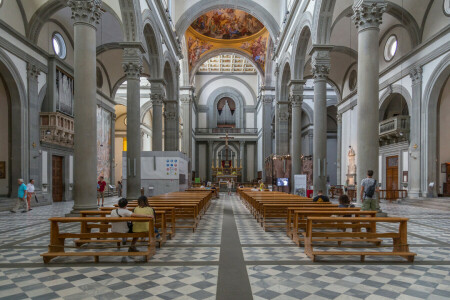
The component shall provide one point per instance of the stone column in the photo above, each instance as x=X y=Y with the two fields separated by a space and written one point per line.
x=33 y=125
x=171 y=125
x=414 y=170
x=321 y=67
x=157 y=87
x=282 y=127
x=86 y=15
x=296 y=99
x=209 y=160
x=367 y=17
x=267 y=95
x=339 y=149
x=132 y=66
x=186 y=100
x=241 y=158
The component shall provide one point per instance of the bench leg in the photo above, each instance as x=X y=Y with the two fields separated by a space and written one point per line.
x=96 y=259
x=47 y=259
x=363 y=257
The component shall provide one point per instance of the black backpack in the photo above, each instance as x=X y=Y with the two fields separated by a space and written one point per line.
x=371 y=190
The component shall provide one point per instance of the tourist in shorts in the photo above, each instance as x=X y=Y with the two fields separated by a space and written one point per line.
x=21 y=197
x=101 y=184
x=369 y=191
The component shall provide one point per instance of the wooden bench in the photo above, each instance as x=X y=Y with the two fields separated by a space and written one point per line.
x=160 y=224
x=57 y=245
x=301 y=216
x=399 y=238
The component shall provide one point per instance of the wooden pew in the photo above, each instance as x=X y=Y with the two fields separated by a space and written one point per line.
x=300 y=217
x=399 y=238
x=57 y=245
x=160 y=224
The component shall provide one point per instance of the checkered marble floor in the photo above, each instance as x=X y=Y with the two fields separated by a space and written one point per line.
x=187 y=266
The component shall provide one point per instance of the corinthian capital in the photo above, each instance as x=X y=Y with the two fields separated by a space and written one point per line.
x=296 y=100
x=368 y=13
x=416 y=75
x=86 y=11
x=320 y=60
x=133 y=70
x=33 y=71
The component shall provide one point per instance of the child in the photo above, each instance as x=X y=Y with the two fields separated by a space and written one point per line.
x=344 y=202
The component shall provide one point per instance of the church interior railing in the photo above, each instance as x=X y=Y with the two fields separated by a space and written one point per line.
x=226 y=130
x=57 y=128
x=394 y=130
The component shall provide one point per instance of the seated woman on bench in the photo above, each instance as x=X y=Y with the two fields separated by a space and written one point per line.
x=123 y=212
x=143 y=208
x=344 y=202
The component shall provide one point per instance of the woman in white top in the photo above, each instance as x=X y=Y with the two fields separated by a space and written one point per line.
x=30 y=192
x=229 y=186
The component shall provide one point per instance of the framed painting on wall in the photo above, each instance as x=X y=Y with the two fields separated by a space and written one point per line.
x=2 y=169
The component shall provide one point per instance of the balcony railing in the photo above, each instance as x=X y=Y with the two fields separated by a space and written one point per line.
x=394 y=130
x=57 y=128
x=226 y=130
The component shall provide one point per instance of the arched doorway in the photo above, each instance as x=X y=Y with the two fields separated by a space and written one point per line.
x=12 y=150
x=443 y=141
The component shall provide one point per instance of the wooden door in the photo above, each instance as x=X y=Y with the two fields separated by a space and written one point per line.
x=57 y=178
x=392 y=177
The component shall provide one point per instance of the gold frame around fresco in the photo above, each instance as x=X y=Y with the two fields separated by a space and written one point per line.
x=226 y=41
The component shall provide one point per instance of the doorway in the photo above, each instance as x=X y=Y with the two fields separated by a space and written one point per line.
x=57 y=178
x=391 y=177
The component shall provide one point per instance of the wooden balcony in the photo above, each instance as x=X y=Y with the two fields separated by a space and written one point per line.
x=394 y=130
x=57 y=128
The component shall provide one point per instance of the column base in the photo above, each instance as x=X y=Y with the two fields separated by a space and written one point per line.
x=77 y=208
x=414 y=194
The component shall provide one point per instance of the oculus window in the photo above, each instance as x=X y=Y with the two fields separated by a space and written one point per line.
x=390 y=48
x=59 y=45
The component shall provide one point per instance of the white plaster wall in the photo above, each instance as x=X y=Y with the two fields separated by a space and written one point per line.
x=436 y=20
x=204 y=83
x=146 y=142
x=22 y=46
x=250 y=120
x=4 y=137
x=444 y=133
x=202 y=120
x=21 y=67
x=45 y=41
x=10 y=13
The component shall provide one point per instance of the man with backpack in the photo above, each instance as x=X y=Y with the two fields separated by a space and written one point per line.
x=368 y=197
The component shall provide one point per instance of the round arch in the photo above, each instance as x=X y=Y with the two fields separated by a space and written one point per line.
x=284 y=79
x=220 y=93
x=206 y=84
x=394 y=89
x=15 y=88
x=300 y=44
x=153 y=44
x=217 y=52
x=248 y=6
x=430 y=129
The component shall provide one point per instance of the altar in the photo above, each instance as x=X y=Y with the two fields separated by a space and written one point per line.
x=226 y=168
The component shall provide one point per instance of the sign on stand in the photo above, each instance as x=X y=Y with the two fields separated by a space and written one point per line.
x=300 y=184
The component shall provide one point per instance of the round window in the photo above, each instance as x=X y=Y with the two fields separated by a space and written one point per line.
x=59 y=46
x=352 y=80
x=1 y=3
x=390 y=48
x=446 y=7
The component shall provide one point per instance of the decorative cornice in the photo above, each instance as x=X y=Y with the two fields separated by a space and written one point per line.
x=86 y=11
x=368 y=13
x=416 y=75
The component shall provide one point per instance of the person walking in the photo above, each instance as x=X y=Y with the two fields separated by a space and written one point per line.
x=101 y=184
x=30 y=193
x=368 y=193
x=229 y=186
x=21 y=197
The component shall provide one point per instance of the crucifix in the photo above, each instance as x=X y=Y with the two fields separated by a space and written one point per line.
x=226 y=138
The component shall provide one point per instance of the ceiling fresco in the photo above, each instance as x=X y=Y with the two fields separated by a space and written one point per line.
x=227 y=29
x=227 y=23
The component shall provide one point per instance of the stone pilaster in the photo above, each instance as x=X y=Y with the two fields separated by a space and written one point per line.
x=282 y=127
x=86 y=15
x=415 y=171
x=321 y=68
x=367 y=17
x=242 y=158
x=171 y=125
x=209 y=160
x=157 y=92
x=132 y=67
x=267 y=96
x=296 y=100
x=339 y=148
x=33 y=126
x=186 y=101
